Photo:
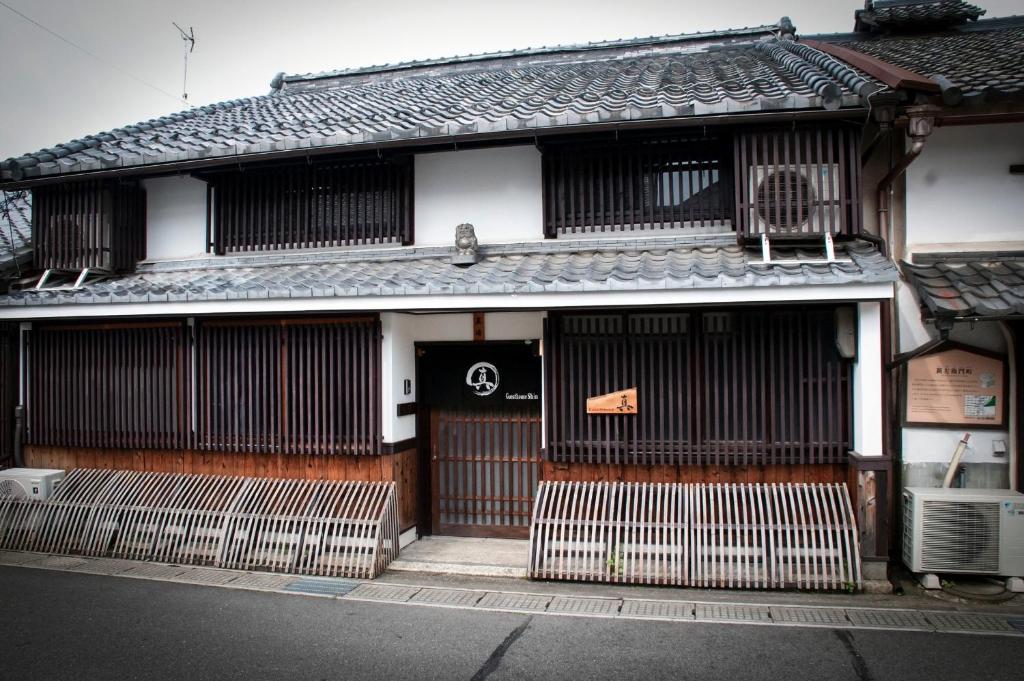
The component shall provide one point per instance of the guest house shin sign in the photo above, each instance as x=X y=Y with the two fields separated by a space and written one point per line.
x=956 y=387
x=481 y=374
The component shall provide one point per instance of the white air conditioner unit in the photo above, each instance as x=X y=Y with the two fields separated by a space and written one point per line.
x=29 y=483
x=794 y=200
x=973 y=531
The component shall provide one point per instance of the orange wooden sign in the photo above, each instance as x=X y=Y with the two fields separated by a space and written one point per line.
x=621 y=402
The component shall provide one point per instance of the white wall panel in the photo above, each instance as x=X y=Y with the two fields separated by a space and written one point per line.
x=175 y=217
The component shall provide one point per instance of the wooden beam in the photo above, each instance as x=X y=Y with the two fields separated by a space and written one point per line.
x=894 y=76
x=479 y=327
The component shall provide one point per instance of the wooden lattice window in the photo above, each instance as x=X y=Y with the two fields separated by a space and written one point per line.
x=798 y=182
x=296 y=387
x=93 y=224
x=677 y=182
x=108 y=386
x=714 y=387
x=312 y=205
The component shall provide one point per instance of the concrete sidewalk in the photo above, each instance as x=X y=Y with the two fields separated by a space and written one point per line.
x=489 y=594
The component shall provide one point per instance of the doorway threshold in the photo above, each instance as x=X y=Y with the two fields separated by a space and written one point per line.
x=482 y=557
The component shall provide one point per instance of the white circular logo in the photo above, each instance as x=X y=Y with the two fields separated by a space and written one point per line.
x=482 y=377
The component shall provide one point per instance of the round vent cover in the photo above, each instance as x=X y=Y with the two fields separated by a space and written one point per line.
x=784 y=200
x=9 y=489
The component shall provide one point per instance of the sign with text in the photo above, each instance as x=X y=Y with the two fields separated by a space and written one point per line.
x=480 y=374
x=956 y=387
x=621 y=402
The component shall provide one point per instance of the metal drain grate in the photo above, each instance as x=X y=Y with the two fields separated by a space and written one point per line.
x=888 y=619
x=822 y=616
x=383 y=592
x=585 y=606
x=958 y=621
x=321 y=587
x=500 y=601
x=732 y=613
x=105 y=566
x=663 y=609
x=1017 y=623
x=446 y=597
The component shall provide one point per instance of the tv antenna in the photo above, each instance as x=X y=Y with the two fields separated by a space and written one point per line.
x=189 y=43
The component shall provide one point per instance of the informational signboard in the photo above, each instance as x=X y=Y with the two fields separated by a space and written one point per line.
x=480 y=374
x=621 y=402
x=956 y=387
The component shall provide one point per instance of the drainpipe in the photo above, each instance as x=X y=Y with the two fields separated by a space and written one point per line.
x=920 y=123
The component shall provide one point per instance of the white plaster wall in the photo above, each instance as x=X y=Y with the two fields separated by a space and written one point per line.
x=961 y=190
x=496 y=190
x=402 y=331
x=175 y=217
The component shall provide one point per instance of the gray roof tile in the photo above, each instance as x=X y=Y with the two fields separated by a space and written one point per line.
x=628 y=80
x=958 y=288
x=665 y=263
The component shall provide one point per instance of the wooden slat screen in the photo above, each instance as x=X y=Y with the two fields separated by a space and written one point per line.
x=108 y=387
x=718 y=387
x=652 y=183
x=89 y=224
x=313 y=205
x=8 y=391
x=797 y=183
x=296 y=388
x=487 y=467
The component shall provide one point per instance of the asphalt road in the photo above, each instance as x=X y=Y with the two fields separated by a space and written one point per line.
x=61 y=625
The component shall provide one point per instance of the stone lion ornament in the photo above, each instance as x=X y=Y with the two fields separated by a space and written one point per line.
x=466 y=245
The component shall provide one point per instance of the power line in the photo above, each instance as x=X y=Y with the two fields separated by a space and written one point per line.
x=94 y=55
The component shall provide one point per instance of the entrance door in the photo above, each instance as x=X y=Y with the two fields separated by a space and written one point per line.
x=485 y=467
x=481 y=438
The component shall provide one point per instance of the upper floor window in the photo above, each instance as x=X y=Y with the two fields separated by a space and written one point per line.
x=312 y=205
x=798 y=182
x=678 y=182
x=97 y=224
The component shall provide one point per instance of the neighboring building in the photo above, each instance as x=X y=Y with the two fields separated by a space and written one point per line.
x=273 y=286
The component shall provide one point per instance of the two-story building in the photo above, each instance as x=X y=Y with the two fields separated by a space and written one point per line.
x=422 y=273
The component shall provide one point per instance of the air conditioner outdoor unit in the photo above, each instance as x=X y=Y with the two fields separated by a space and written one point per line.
x=794 y=200
x=29 y=483
x=973 y=531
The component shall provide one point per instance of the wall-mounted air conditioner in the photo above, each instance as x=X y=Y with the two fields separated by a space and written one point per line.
x=793 y=200
x=29 y=483
x=974 y=531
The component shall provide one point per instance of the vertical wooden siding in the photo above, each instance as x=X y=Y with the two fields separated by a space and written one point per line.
x=93 y=224
x=108 y=386
x=292 y=387
x=771 y=196
x=721 y=388
x=313 y=205
x=659 y=183
x=299 y=388
x=8 y=391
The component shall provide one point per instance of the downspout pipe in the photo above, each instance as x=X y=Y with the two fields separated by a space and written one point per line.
x=920 y=123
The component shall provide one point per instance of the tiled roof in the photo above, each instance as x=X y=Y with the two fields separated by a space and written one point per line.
x=15 y=227
x=621 y=265
x=981 y=288
x=985 y=62
x=917 y=14
x=628 y=81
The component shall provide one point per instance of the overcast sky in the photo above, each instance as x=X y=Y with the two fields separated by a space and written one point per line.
x=52 y=92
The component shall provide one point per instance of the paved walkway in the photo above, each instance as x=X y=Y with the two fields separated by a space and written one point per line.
x=539 y=598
